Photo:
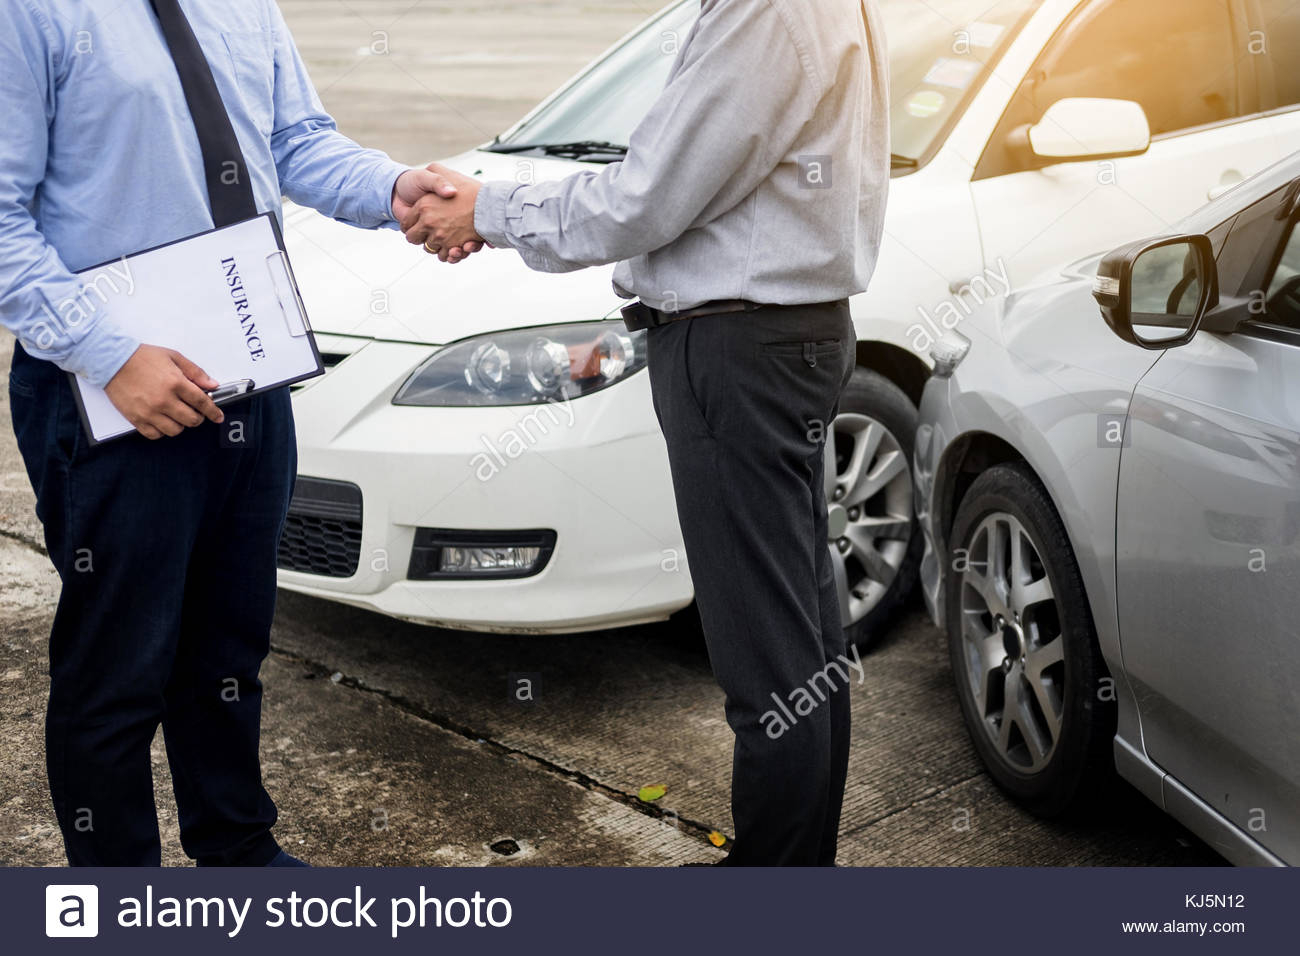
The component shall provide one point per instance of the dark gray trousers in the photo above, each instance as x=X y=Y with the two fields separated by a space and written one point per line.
x=745 y=402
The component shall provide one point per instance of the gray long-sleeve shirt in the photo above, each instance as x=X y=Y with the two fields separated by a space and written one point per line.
x=760 y=173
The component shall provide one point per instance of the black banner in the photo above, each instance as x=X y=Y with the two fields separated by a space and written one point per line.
x=508 y=910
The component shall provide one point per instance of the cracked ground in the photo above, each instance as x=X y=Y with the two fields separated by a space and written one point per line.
x=388 y=743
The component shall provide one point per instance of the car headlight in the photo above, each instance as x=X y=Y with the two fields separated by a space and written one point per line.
x=527 y=366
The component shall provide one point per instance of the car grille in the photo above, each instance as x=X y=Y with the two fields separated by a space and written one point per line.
x=330 y=360
x=322 y=534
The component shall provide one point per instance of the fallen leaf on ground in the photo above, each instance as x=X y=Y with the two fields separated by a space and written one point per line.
x=651 y=794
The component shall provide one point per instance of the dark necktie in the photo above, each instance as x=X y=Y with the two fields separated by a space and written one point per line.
x=229 y=191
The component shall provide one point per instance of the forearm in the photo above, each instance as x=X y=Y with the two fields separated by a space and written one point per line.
x=586 y=220
x=321 y=168
x=491 y=221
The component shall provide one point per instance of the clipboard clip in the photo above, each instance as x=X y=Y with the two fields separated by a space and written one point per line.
x=231 y=390
x=286 y=293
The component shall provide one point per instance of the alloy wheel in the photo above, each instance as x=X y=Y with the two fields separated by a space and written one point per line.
x=869 y=498
x=1012 y=643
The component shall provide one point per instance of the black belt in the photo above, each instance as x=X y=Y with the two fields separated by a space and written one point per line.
x=640 y=316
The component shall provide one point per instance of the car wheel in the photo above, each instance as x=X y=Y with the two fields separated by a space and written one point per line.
x=874 y=542
x=1029 y=672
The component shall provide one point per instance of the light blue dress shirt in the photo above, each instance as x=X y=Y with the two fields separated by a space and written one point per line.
x=99 y=157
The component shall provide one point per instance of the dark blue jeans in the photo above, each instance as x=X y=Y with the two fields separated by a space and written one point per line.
x=167 y=554
x=745 y=402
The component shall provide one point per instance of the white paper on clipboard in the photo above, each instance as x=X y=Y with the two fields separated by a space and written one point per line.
x=226 y=299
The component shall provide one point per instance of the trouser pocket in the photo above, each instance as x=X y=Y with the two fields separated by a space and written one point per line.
x=812 y=353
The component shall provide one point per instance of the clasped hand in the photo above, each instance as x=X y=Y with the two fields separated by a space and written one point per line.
x=437 y=211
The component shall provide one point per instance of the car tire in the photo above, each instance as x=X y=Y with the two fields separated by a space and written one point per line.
x=1013 y=580
x=871 y=398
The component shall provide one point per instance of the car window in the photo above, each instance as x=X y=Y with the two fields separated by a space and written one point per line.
x=1247 y=254
x=1175 y=57
x=1259 y=261
x=1283 y=296
x=1275 y=48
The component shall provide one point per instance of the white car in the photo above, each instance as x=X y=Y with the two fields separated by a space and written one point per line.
x=483 y=452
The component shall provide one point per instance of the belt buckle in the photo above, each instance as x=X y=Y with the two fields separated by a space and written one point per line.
x=638 y=317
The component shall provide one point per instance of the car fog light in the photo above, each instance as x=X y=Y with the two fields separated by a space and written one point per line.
x=487 y=560
x=479 y=554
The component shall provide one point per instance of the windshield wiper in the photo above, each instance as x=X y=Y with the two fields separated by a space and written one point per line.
x=566 y=150
x=600 y=148
x=591 y=147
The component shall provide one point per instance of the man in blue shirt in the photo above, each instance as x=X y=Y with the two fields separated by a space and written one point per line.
x=166 y=548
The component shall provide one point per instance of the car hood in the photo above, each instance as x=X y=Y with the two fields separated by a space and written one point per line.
x=377 y=285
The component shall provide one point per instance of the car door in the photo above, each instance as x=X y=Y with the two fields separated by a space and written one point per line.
x=1208 y=544
x=1182 y=61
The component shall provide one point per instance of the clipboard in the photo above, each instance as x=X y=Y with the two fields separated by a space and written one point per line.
x=226 y=299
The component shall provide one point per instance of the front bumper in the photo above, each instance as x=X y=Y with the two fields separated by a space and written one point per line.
x=594 y=471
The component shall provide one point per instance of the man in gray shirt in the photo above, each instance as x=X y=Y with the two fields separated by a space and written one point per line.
x=749 y=207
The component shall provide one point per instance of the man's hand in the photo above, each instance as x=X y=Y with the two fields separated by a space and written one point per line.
x=161 y=392
x=445 y=226
x=416 y=184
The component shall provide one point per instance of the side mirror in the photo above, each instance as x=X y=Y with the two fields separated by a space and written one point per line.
x=1157 y=292
x=1080 y=128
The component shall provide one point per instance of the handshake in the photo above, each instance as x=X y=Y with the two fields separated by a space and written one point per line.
x=435 y=207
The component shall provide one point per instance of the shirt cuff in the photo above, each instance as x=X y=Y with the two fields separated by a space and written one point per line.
x=490 y=212
x=385 y=181
x=100 y=354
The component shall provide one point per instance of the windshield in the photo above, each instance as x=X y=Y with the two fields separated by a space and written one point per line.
x=939 y=52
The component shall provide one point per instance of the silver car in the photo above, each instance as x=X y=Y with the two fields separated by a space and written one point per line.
x=1111 y=506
